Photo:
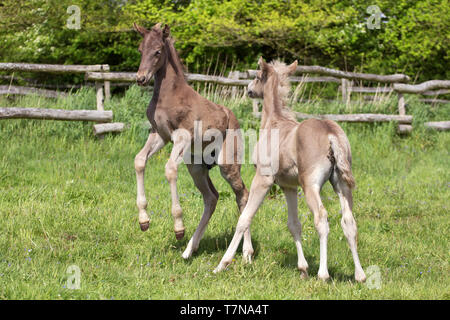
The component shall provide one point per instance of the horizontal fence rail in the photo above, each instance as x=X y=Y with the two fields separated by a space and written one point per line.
x=438 y=125
x=102 y=128
x=29 y=90
x=359 y=118
x=422 y=87
x=56 y=114
x=353 y=75
x=195 y=77
x=52 y=68
x=346 y=75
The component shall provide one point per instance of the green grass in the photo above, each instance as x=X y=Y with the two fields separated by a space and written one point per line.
x=67 y=198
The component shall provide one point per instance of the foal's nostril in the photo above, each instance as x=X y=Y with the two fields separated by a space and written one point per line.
x=250 y=93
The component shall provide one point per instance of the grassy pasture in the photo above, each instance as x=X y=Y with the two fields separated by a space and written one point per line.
x=67 y=198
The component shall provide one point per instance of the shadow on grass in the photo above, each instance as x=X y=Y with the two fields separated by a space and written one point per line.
x=290 y=262
x=209 y=244
x=219 y=244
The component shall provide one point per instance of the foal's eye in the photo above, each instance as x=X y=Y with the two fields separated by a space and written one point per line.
x=158 y=52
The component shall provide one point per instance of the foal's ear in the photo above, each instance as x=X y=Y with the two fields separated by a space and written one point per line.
x=263 y=65
x=261 y=61
x=166 y=31
x=292 y=67
x=157 y=26
x=140 y=29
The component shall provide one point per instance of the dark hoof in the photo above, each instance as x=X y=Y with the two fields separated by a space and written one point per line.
x=144 y=226
x=179 y=234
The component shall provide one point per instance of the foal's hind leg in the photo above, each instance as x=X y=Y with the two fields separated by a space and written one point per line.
x=348 y=223
x=210 y=195
x=232 y=174
x=312 y=195
x=154 y=143
x=295 y=228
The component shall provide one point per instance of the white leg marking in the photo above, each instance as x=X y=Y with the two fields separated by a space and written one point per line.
x=295 y=228
x=260 y=187
x=154 y=144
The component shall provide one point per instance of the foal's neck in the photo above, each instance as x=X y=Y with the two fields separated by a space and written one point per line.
x=170 y=76
x=273 y=103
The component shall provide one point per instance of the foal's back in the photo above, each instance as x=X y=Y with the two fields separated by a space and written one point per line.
x=183 y=107
x=306 y=154
x=321 y=144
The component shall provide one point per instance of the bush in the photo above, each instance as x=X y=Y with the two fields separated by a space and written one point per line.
x=413 y=35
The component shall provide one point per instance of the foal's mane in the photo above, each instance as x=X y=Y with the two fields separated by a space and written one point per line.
x=284 y=87
x=174 y=58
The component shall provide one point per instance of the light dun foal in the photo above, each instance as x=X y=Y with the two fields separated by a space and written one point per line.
x=310 y=153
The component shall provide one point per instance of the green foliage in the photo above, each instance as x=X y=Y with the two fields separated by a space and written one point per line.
x=413 y=37
x=38 y=32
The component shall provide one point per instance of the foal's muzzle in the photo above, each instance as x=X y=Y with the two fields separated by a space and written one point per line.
x=142 y=80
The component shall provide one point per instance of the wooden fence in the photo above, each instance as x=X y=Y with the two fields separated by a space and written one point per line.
x=100 y=115
x=393 y=83
x=346 y=79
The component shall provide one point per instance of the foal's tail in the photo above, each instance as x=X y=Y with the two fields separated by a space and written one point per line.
x=343 y=156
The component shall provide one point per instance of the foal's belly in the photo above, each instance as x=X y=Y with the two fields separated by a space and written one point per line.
x=287 y=177
x=287 y=180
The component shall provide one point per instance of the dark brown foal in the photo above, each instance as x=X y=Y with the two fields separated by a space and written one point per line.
x=173 y=112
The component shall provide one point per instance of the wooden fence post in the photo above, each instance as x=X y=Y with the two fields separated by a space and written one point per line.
x=403 y=128
x=107 y=90
x=100 y=106
x=107 y=84
x=401 y=104
x=346 y=87
x=99 y=89
x=234 y=75
x=255 y=105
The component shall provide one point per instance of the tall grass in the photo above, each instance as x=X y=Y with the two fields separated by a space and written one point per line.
x=67 y=198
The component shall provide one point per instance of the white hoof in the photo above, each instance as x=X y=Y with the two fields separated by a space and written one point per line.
x=190 y=249
x=303 y=272
x=247 y=256
x=324 y=276
x=222 y=266
x=360 y=276
x=187 y=254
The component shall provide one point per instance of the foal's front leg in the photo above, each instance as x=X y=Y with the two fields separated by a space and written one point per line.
x=154 y=144
x=181 y=143
x=260 y=186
